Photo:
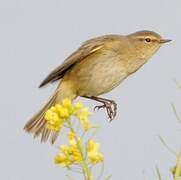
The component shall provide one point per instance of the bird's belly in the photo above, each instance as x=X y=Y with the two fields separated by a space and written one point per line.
x=100 y=83
x=98 y=76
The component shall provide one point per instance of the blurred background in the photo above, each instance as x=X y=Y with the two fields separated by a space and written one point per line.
x=37 y=35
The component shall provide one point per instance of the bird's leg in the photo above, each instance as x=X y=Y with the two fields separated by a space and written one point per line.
x=110 y=105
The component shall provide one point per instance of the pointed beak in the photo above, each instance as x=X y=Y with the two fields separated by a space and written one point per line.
x=164 y=40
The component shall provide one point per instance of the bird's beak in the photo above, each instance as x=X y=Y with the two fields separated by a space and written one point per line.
x=164 y=40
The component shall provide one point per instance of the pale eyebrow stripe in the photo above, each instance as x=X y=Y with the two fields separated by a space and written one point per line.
x=142 y=39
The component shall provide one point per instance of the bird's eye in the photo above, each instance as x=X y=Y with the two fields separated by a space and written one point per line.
x=148 y=40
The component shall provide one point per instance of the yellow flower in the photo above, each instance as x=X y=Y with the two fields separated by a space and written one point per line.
x=71 y=136
x=62 y=160
x=95 y=157
x=77 y=157
x=54 y=122
x=58 y=114
x=69 y=154
x=78 y=106
x=67 y=103
x=173 y=170
x=86 y=124
x=93 y=146
x=92 y=152
x=53 y=109
x=76 y=152
x=71 y=139
x=83 y=116
x=64 y=113
x=84 y=113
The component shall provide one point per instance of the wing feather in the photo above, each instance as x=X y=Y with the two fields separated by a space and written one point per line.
x=88 y=48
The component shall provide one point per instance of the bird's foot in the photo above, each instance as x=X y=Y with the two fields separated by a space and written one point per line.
x=111 y=108
x=110 y=105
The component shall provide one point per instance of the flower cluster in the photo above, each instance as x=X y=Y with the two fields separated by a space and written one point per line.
x=176 y=171
x=69 y=154
x=173 y=170
x=93 y=152
x=74 y=153
x=58 y=114
x=80 y=152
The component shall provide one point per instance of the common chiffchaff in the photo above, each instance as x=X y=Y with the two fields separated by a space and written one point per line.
x=97 y=67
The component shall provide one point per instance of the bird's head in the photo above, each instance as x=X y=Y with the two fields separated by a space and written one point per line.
x=146 y=42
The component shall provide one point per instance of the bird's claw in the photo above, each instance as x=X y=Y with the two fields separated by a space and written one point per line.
x=111 y=108
x=99 y=107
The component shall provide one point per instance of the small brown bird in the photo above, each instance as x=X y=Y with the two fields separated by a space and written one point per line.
x=97 y=67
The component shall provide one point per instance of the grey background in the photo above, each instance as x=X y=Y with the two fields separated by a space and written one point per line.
x=37 y=35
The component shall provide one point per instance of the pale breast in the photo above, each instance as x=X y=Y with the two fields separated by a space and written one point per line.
x=98 y=74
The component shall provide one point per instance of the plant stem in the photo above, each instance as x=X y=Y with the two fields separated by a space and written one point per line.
x=84 y=165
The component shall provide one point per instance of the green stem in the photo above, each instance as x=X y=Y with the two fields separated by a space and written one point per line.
x=84 y=165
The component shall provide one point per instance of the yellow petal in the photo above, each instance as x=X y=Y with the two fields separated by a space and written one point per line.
x=53 y=108
x=64 y=148
x=92 y=146
x=78 y=106
x=48 y=115
x=62 y=160
x=95 y=158
x=64 y=113
x=85 y=124
x=58 y=107
x=67 y=103
x=71 y=135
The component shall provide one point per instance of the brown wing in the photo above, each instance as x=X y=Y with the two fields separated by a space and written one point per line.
x=88 y=48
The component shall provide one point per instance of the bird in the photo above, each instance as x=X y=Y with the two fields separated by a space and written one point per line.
x=99 y=65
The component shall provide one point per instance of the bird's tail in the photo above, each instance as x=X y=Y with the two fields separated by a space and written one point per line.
x=37 y=125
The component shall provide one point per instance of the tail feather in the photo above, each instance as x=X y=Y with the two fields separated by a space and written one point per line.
x=37 y=125
x=45 y=135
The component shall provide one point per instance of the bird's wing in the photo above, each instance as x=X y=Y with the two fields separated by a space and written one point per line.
x=88 y=48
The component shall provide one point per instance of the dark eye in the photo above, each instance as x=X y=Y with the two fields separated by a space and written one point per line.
x=148 y=40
